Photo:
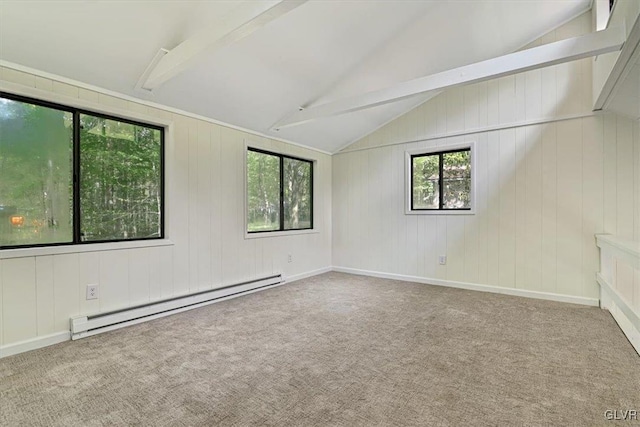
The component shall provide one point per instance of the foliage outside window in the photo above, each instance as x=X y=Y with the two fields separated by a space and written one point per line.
x=441 y=180
x=279 y=192
x=69 y=176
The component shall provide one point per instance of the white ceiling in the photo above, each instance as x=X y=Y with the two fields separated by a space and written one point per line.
x=321 y=51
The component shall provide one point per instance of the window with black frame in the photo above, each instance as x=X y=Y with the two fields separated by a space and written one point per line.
x=441 y=181
x=69 y=176
x=279 y=192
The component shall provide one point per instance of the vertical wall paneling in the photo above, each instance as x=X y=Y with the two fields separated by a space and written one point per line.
x=203 y=219
x=88 y=274
x=610 y=160
x=139 y=284
x=216 y=216
x=543 y=190
x=493 y=208
x=65 y=289
x=205 y=224
x=507 y=206
x=180 y=207
x=155 y=273
x=625 y=201
x=45 y=314
x=19 y=301
x=592 y=200
x=624 y=184
x=522 y=245
x=192 y=189
x=549 y=209
x=531 y=246
x=569 y=189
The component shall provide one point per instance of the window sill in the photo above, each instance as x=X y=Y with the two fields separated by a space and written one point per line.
x=441 y=212
x=72 y=249
x=279 y=233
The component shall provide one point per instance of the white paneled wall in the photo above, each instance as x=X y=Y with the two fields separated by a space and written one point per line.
x=543 y=189
x=205 y=202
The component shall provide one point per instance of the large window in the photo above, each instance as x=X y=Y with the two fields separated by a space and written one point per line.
x=279 y=192
x=440 y=180
x=70 y=176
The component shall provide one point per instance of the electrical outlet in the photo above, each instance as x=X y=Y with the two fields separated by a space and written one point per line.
x=442 y=259
x=289 y=258
x=92 y=292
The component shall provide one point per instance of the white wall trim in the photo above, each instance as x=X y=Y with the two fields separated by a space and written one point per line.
x=621 y=312
x=594 y=302
x=34 y=343
x=75 y=249
x=311 y=273
x=482 y=129
x=625 y=250
x=151 y=104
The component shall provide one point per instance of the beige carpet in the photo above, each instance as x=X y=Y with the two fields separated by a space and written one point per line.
x=340 y=350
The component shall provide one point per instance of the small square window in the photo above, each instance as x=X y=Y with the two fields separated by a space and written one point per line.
x=440 y=181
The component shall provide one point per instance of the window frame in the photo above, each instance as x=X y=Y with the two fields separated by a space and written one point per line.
x=439 y=150
x=281 y=230
x=76 y=178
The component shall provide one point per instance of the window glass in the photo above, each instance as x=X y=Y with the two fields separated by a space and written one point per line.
x=441 y=180
x=279 y=192
x=36 y=174
x=456 y=176
x=297 y=194
x=120 y=180
x=68 y=176
x=263 y=185
x=426 y=175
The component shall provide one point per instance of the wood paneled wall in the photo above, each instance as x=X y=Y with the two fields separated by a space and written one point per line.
x=543 y=190
x=205 y=202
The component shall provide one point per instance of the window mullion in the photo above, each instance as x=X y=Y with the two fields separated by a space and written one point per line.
x=412 y=180
x=440 y=182
x=281 y=193
x=76 y=177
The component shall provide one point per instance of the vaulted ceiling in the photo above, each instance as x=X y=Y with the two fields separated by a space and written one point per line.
x=318 y=52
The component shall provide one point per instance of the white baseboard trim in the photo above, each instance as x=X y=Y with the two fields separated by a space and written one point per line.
x=312 y=273
x=594 y=302
x=34 y=343
x=88 y=325
x=621 y=311
x=47 y=340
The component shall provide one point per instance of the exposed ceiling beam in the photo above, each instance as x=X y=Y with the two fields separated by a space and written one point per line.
x=245 y=19
x=571 y=49
x=628 y=56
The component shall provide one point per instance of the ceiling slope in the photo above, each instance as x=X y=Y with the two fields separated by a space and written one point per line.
x=317 y=53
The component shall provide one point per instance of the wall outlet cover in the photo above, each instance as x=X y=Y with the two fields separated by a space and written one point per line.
x=92 y=292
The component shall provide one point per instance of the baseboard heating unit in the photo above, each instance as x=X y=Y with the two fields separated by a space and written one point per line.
x=85 y=326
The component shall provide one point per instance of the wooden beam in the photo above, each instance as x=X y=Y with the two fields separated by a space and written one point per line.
x=558 y=52
x=245 y=19
x=629 y=54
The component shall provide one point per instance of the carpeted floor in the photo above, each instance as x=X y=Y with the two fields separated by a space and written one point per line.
x=336 y=349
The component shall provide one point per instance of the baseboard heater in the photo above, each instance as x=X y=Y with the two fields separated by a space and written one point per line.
x=85 y=326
